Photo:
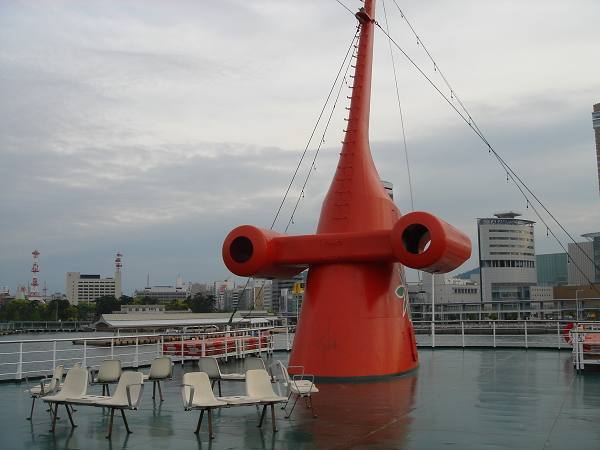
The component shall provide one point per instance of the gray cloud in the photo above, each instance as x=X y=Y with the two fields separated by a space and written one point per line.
x=154 y=129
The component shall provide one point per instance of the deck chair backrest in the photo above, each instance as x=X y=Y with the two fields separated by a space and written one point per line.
x=56 y=378
x=210 y=366
x=258 y=384
x=161 y=368
x=129 y=377
x=203 y=393
x=284 y=373
x=110 y=371
x=254 y=363
x=76 y=382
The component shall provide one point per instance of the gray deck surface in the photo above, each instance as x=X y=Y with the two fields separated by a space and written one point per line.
x=471 y=399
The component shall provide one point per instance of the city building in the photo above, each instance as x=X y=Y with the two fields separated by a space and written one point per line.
x=166 y=293
x=280 y=293
x=584 y=260
x=506 y=258
x=88 y=288
x=129 y=309
x=448 y=289
x=551 y=269
x=82 y=288
x=596 y=125
x=263 y=294
x=223 y=291
x=389 y=188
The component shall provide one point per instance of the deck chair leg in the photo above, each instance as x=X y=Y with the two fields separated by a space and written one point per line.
x=293 y=406
x=262 y=416
x=283 y=406
x=210 y=425
x=160 y=392
x=32 y=405
x=125 y=421
x=153 y=390
x=312 y=406
x=107 y=390
x=54 y=417
x=273 y=417
x=110 y=422
x=220 y=394
x=70 y=416
x=199 y=422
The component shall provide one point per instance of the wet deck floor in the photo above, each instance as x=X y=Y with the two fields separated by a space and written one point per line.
x=472 y=399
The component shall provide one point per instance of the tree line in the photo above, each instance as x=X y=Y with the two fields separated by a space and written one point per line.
x=55 y=310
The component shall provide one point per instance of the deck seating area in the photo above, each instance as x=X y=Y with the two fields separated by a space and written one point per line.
x=197 y=389
x=468 y=399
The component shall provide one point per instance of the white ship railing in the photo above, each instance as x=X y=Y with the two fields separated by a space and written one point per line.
x=548 y=334
x=585 y=339
x=24 y=358
x=21 y=359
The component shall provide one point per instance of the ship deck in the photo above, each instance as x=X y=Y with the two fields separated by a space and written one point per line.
x=463 y=399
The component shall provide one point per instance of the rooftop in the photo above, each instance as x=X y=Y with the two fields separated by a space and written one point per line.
x=179 y=319
x=470 y=399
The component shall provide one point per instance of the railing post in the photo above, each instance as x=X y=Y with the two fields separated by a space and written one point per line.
x=462 y=327
x=526 y=343
x=558 y=333
x=84 y=364
x=112 y=348
x=494 y=332
x=287 y=337
x=20 y=364
x=432 y=334
x=182 y=350
x=53 y=355
x=137 y=352
x=203 y=345
x=162 y=346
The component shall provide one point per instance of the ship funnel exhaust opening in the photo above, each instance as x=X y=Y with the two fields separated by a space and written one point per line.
x=416 y=238
x=241 y=249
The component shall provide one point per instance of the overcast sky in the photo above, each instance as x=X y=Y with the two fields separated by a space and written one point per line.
x=153 y=128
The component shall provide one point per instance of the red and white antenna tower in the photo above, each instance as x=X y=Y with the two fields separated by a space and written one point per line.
x=34 y=292
x=118 y=263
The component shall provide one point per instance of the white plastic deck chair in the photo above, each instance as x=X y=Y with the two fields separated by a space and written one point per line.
x=254 y=362
x=108 y=373
x=259 y=387
x=45 y=387
x=301 y=385
x=161 y=369
x=250 y=363
x=197 y=393
x=74 y=387
x=127 y=396
x=210 y=366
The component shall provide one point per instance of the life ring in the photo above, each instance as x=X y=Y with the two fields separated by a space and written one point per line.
x=567 y=332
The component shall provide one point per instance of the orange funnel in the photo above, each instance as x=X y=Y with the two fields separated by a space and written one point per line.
x=354 y=320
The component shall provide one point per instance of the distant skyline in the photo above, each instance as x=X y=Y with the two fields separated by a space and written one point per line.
x=153 y=128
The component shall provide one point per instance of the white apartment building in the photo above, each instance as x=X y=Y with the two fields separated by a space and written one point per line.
x=448 y=289
x=82 y=288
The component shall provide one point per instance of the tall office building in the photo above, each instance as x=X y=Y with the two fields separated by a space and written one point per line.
x=506 y=257
x=88 y=288
x=82 y=288
x=596 y=124
x=584 y=260
x=551 y=269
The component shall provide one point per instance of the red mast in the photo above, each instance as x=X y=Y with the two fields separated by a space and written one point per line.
x=354 y=320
